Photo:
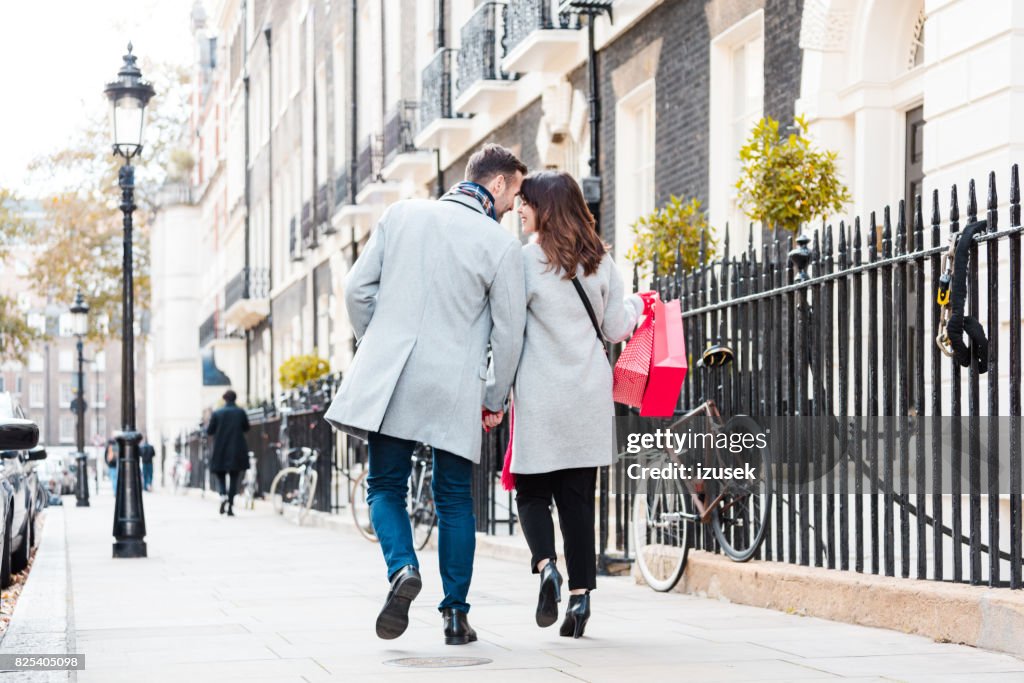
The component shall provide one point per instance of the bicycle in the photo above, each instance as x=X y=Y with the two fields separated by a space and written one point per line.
x=738 y=511
x=422 y=514
x=250 y=486
x=295 y=485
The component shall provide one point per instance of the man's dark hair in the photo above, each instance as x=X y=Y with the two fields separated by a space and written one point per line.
x=230 y=396
x=490 y=161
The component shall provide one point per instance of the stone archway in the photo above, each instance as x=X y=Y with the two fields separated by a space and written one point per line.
x=856 y=88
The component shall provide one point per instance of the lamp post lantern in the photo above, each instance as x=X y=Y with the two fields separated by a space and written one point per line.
x=80 y=327
x=128 y=97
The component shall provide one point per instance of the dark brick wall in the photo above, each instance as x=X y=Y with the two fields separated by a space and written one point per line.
x=518 y=134
x=681 y=84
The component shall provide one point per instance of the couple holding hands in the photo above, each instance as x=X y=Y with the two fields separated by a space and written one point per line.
x=438 y=283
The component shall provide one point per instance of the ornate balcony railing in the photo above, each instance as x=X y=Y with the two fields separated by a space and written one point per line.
x=399 y=130
x=308 y=223
x=480 y=54
x=368 y=163
x=523 y=17
x=342 y=193
x=248 y=283
x=294 y=240
x=322 y=209
x=209 y=330
x=436 y=93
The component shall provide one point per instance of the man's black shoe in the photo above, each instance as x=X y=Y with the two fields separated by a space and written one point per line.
x=457 y=630
x=394 y=618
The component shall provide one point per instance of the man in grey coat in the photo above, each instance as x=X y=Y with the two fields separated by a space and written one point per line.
x=436 y=285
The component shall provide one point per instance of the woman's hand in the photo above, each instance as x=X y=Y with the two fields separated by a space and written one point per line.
x=491 y=420
x=648 y=298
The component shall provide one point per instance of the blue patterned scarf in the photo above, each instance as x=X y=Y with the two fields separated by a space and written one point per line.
x=477 y=192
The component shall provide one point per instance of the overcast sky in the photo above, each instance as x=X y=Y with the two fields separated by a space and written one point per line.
x=55 y=58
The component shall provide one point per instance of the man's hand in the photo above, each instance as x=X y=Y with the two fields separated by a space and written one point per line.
x=491 y=420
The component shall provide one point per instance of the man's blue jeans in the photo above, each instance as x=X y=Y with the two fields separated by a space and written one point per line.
x=388 y=489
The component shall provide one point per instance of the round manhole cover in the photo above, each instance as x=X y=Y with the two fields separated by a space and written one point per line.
x=438 y=662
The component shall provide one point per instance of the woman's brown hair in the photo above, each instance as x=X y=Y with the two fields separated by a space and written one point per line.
x=566 y=229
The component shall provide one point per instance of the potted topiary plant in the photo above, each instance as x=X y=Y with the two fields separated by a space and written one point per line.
x=787 y=183
x=673 y=230
x=299 y=370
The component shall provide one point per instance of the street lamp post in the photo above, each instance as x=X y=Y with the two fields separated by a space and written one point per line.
x=80 y=326
x=128 y=97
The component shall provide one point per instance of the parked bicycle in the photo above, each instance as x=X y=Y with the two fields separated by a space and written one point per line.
x=667 y=510
x=295 y=485
x=422 y=515
x=251 y=484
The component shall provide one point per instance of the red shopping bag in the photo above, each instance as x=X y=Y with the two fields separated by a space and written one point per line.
x=668 y=361
x=629 y=378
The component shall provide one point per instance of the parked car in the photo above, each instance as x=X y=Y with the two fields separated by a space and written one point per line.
x=57 y=472
x=19 y=492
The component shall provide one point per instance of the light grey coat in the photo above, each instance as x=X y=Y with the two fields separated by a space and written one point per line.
x=563 y=390
x=436 y=282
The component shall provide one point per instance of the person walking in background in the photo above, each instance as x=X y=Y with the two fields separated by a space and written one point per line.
x=436 y=283
x=146 y=455
x=110 y=457
x=563 y=409
x=230 y=453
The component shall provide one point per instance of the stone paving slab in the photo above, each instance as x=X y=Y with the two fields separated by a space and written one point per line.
x=256 y=598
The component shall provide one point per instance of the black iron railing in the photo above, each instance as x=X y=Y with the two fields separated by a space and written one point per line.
x=342 y=191
x=480 y=51
x=436 y=88
x=523 y=17
x=399 y=130
x=294 y=240
x=208 y=330
x=323 y=212
x=368 y=162
x=840 y=328
x=248 y=283
x=308 y=224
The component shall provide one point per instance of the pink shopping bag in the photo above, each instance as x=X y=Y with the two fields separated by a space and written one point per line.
x=668 y=361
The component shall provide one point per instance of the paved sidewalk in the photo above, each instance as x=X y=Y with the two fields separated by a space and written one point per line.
x=257 y=598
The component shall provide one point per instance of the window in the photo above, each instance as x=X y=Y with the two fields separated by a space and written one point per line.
x=737 y=103
x=3 y=383
x=101 y=360
x=38 y=321
x=100 y=392
x=17 y=385
x=65 y=326
x=35 y=395
x=634 y=167
x=67 y=428
x=65 y=394
x=35 y=362
x=66 y=360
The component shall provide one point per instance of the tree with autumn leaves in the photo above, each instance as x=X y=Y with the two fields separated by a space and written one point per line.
x=81 y=230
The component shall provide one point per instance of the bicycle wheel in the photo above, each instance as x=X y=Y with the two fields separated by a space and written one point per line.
x=423 y=518
x=284 y=488
x=361 y=508
x=741 y=516
x=307 y=489
x=662 y=534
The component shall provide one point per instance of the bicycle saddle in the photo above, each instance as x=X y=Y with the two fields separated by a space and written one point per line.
x=717 y=355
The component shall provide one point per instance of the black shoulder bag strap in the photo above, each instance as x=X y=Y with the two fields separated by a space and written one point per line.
x=590 y=311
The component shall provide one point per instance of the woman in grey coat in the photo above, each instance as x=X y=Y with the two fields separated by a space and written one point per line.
x=563 y=428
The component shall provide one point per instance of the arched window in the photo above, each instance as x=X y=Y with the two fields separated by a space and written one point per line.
x=916 y=57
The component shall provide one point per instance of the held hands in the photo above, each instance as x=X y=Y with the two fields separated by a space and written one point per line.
x=490 y=420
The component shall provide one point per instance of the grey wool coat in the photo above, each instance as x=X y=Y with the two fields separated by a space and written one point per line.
x=563 y=391
x=436 y=283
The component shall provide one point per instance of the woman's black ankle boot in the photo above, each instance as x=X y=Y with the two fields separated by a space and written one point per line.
x=576 y=616
x=550 y=595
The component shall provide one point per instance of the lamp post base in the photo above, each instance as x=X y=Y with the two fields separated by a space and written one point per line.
x=131 y=547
